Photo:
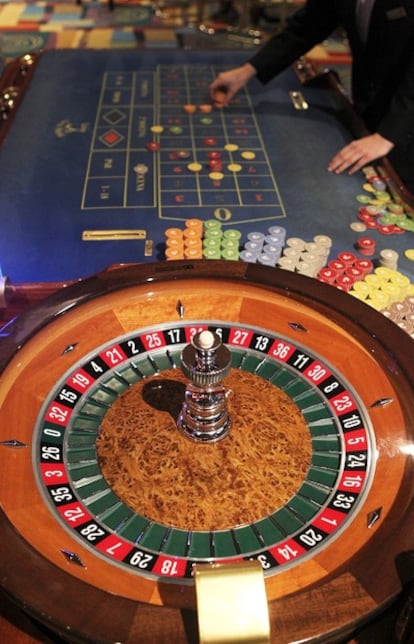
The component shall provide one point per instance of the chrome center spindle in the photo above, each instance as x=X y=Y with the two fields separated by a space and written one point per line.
x=204 y=415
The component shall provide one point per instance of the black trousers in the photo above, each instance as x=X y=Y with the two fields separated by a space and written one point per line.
x=402 y=159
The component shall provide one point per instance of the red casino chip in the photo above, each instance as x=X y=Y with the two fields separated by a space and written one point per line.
x=366 y=245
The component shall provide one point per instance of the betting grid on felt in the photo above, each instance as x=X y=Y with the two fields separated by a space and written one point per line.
x=131 y=103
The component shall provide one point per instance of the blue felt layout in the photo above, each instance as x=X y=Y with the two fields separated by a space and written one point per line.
x=69 y=162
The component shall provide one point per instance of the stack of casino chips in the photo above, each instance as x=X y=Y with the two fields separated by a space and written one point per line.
x=402 y=314
x=185 y=244
x=382 y=210
x=264 y=248
x=202 y=240
x=345 y=270
x=365 y=246
x=174 y=243
x=306 y=257
x=388 y=258
x=219 y=244
x=383 y=288
x=292 y=254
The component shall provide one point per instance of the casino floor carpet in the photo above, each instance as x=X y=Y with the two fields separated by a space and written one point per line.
x=30 y=26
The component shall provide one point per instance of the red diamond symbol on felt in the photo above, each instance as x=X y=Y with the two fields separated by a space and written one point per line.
x=111 y=138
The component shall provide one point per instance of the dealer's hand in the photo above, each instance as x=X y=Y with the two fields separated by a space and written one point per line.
x=228 y=83
x=360 y=152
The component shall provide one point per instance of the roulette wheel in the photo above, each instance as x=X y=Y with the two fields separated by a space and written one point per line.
x=108 y=505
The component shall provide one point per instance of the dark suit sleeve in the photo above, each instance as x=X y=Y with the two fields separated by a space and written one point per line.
x=397 y=125
x=309 y=26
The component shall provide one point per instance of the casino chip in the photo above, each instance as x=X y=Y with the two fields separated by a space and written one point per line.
x=389 y=258
x=234 y=167
x=296 y=242
x=365 y=246
x=195 y=167
x=183 y=154
x=256 y=237
x=141 y=168
x=358 y=226
x=153 y=146
x=249 y=156
x=368 y=187
x=220 y=98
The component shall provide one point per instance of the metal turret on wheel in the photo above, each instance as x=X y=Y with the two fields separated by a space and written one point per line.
x=206 y=362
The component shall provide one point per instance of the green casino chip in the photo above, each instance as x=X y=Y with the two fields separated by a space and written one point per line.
x=212 y=243
x=230 y=253
x=211 y=253
x=232 y=233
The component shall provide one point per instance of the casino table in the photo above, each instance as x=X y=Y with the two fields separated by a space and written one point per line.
x=113 y=507
x=70 y=176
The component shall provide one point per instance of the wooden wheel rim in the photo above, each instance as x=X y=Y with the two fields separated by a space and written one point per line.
x=303 y=301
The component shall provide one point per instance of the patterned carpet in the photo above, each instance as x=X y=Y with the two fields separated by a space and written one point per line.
x=26 y=27
x=31 y=26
